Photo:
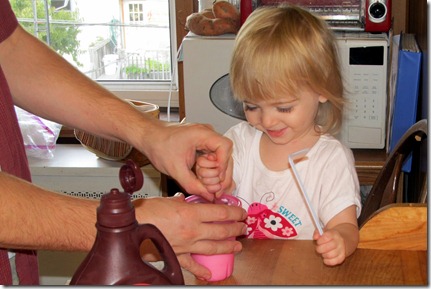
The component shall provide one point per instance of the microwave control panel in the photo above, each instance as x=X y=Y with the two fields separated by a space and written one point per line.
x=364 y=69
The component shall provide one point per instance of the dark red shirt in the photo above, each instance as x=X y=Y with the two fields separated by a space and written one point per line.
x=13 y=159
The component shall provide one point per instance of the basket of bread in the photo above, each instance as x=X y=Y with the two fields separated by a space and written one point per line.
x=117 y=150
x=223 y=17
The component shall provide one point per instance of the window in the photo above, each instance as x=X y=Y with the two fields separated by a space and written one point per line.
x=129 y=46
x=136 y=13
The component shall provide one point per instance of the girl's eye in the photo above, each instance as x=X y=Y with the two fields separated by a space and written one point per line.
x=248 y=107
x=285 y=109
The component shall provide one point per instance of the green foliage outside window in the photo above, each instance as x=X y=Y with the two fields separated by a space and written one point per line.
x=63 y=34
x=149 y=66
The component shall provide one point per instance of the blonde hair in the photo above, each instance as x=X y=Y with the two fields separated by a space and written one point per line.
x=280 y=49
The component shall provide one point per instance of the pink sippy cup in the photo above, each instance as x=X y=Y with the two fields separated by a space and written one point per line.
x=221 y=265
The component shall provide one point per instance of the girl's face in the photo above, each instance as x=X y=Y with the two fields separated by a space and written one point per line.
x=285 y=119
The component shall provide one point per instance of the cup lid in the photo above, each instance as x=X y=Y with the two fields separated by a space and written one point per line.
x=224 y=199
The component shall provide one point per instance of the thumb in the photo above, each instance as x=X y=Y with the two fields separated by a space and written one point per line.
x=316 y=235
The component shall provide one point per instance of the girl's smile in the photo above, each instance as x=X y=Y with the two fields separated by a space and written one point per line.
x=276 y=133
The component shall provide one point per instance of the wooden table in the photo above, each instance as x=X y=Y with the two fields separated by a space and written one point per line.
x=294 y=262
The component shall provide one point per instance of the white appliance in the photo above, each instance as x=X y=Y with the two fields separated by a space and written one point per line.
x=205 y=59
x=363 y=57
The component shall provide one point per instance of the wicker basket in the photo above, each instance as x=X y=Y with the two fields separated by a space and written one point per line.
x=116 y=150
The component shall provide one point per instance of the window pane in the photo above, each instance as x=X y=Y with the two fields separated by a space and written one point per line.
x=94 y=36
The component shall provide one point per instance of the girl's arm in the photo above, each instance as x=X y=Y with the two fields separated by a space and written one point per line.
x=340 y=238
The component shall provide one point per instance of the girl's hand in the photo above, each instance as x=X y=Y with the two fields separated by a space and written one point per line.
x=331 y=246
x=340 y=238
x=207 y=172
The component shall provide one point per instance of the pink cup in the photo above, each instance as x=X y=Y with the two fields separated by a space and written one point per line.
x=221 y=265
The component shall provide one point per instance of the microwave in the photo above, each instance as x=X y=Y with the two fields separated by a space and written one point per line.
x=363 y=61
x=364 y=67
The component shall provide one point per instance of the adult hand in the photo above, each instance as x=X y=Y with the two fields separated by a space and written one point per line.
x=173 y=148
x=189 y=227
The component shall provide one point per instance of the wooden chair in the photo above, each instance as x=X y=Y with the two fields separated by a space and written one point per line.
x=386 y=186
x=398 y=226
x=384 y=216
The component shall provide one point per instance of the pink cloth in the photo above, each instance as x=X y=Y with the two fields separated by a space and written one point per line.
x=13 y=160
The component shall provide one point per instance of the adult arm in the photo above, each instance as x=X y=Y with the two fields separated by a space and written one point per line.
x=35 y=218
x=45 y=84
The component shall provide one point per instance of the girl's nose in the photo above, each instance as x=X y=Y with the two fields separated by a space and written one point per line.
x=268 y=119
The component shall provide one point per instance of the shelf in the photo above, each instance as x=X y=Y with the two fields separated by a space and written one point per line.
x=368 y=163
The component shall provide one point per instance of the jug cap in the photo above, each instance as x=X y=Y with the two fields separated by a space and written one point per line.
x=116 y=209
x=131 y=177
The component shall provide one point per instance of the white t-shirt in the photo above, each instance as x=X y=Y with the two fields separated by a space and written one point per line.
x=276 y=207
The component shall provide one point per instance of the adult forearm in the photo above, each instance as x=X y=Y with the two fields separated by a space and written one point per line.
x=33 y=218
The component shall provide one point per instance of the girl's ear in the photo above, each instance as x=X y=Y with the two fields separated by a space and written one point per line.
x=322 y=98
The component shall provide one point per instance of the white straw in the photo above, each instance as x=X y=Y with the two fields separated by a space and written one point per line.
x=298 y=179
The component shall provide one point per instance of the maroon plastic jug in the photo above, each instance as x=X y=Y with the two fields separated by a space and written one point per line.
x=115 y=257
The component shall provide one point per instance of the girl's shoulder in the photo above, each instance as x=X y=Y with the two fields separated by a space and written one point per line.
x=330 y=141
x=328 y=145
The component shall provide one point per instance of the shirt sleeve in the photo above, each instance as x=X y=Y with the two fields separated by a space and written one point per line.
x=341 y=185
x=8 y=21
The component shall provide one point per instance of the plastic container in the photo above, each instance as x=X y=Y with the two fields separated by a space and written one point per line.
x=220 y=265
x=115 y=258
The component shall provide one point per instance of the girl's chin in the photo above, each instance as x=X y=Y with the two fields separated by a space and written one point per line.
x=279 y=140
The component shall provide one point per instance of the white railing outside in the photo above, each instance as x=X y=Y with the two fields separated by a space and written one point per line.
x=142 y=65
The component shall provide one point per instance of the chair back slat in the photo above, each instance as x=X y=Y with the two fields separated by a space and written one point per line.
x=387 y=184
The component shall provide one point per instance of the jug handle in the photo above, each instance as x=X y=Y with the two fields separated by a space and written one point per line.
x=172 y=268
